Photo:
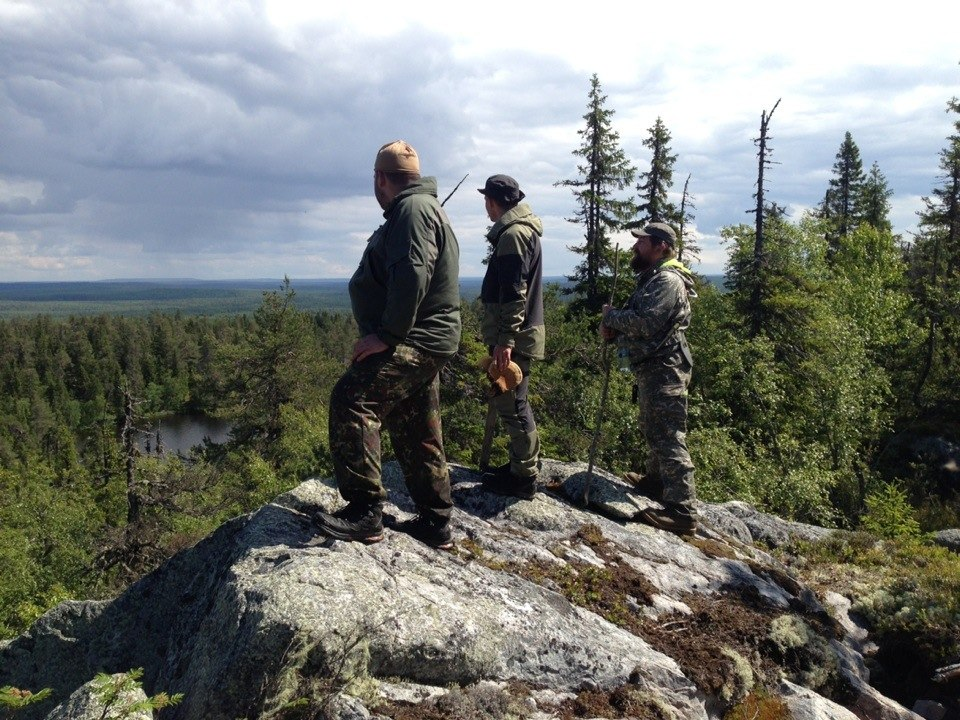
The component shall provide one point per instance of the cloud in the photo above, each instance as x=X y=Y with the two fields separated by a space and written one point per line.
x=172 y=138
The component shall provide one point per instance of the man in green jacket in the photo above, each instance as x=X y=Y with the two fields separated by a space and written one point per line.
x=650 y=330
x=406 y=300
x=512 y=325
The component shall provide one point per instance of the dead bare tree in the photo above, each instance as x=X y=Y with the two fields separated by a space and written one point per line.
x=688 y=248
x=759 y=254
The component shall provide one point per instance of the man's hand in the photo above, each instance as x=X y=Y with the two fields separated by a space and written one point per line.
x=366 y=346
x=501 y=356
x=607 y=333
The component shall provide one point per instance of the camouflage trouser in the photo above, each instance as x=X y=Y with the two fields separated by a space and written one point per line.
x=399 y=388
x=662 y=393
x=517 y=417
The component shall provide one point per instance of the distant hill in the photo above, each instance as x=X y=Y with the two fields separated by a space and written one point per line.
x=188 y=297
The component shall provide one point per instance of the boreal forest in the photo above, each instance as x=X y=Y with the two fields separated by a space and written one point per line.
x=826 y=389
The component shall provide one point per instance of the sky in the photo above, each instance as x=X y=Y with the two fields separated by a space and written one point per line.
x=229 y=140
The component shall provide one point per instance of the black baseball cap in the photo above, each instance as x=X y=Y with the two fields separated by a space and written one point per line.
x=502 y=189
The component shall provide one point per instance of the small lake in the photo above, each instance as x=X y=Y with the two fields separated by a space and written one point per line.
x=180 y=433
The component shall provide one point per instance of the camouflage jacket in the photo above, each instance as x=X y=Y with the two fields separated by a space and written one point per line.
x=512 y=290
x=407 y=288
x=653 y=321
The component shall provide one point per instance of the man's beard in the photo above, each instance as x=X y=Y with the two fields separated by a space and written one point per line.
x=381 y=197
x=640 y=264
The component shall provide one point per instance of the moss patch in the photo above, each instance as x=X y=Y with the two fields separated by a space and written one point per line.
x=759 y=706
x=908 y=592
x=611 y=591
x=625 y=701
x=483 y=701
x=711 y=643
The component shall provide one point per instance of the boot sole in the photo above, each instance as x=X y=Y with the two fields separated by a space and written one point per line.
x=341 y=535
x=655 y=522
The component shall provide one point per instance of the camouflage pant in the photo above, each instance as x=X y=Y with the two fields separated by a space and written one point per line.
x=662 y=393
x=399 y=388
x=517 y=416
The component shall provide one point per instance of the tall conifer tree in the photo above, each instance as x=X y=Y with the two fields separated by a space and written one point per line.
x=752 y=278
x=875 y=200
x=654 y=184
x=935 y=269
x=841 y=204
x=603 y=170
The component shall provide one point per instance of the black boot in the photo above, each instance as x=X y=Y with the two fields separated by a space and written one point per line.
x=434 y=532
x=504 y=482
x=677 y=519
x=647 y=485
x=355 y=521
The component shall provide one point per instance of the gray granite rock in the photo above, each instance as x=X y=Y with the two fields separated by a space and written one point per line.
x=234 y=621
x=949 y=539
x=805 y=704
x=769 y=529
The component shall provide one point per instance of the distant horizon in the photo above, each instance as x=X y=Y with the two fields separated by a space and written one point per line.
x=240 y=280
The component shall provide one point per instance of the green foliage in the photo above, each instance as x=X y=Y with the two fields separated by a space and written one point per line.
x=875 y=200
x=46 y=543
x=117 y=693
x=908 y=591
x=276 y=364
x=934 y=259
x=12 y=699
x=889 y=513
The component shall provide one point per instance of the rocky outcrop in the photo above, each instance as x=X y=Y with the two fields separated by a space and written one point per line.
x=949 y=539
x=543 y=604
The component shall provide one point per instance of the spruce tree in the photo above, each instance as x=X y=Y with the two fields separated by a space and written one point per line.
x=875 y=200
x=603 y=170
x=935 y=271
x=841 y=203
x=654 y=185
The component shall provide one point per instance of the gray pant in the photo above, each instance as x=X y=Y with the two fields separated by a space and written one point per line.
x=517 y=416
x=662 y=384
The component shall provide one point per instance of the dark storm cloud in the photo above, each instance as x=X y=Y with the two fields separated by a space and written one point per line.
x=166 y=124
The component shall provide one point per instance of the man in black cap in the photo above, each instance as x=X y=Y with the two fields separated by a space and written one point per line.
x=650 y=332
x=512 y=326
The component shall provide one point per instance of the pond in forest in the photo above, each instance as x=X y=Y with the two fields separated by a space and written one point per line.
x=180 y=433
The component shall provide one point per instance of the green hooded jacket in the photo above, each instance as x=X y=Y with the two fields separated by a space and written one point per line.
x=407 y=289
x=512 y=290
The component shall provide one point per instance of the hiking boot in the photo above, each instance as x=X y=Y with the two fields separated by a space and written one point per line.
x=651 y=487
x=433 y=532
x=504 y=482
x=677 y=520
x=505 y=468
x=355 y=521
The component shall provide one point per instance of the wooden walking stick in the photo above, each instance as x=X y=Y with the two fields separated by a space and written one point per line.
x=603 y=395
x=488 y=429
